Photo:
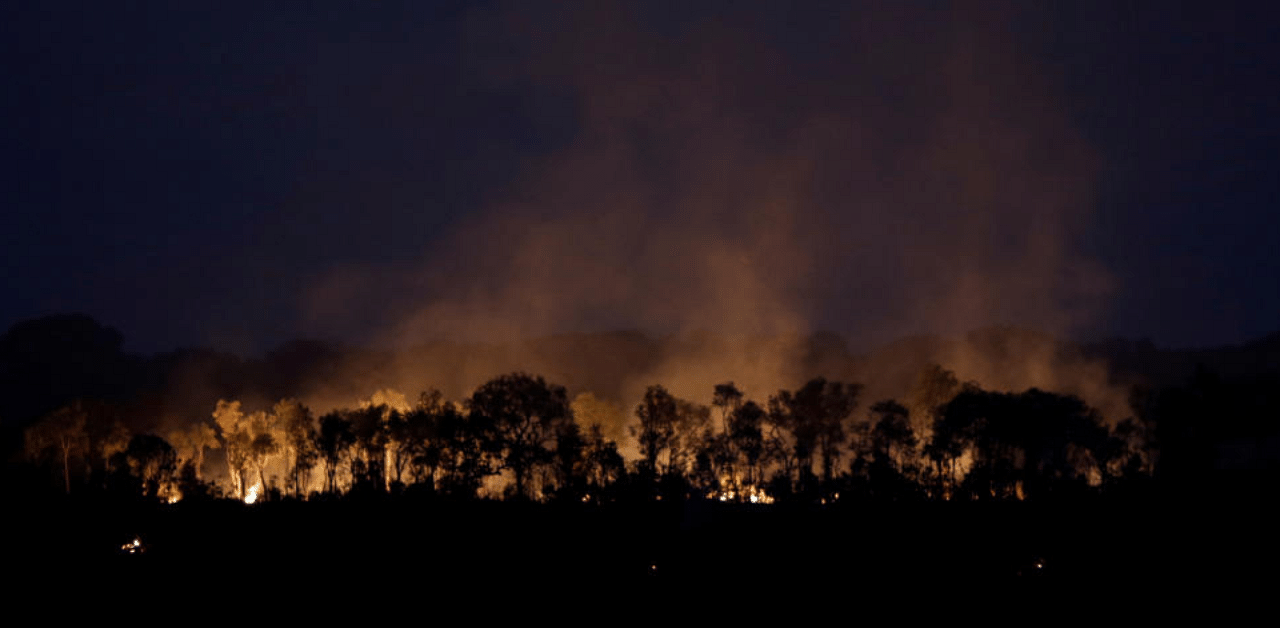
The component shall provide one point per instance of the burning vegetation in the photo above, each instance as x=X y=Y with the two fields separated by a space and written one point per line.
x=890 y=426
x=519 y=437
x=897 y=469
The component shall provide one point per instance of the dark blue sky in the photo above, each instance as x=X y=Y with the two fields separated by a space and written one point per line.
x=240 y=175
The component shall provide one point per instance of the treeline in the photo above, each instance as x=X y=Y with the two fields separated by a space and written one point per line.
x=519 y=437
x=81 y=416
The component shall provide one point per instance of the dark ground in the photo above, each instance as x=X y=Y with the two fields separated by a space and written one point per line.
x=399 y=552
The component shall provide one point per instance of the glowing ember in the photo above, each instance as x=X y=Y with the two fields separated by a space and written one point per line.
x=133 y=547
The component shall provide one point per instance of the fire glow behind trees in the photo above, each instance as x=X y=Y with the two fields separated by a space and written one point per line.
x=444 y=193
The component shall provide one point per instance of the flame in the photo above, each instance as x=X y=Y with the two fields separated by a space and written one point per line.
x=252 y=495
x=752 y=494
x=133 y=547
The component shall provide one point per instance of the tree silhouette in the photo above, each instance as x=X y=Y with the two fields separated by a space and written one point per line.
x=1062 y=439
x=893 y=440
x=525 y=414
x=63 y=433
x=718 y=450
x=191 y=442
x=1024 y=444
x=814 y=416
x=603 y=421
x=153 y=463
x=605 y=464
x=298 y=442
x=727 y=399
x=393 y=454
x=419 y=429
x=670 y=426
x=369 y=450
x=571 y=466
x=463 y=448
x=746 y=432
x=401 y=445
x=934 y=387
x=333 y=441
x=893 y=444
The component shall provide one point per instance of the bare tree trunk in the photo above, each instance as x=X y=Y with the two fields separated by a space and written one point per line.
x=66 y=469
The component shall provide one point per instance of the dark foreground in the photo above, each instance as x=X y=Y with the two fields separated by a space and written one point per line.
x=345 y=553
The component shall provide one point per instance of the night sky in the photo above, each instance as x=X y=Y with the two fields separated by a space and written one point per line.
x=239 y=175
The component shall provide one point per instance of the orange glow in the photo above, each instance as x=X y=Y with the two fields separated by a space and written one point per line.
x=749 y=494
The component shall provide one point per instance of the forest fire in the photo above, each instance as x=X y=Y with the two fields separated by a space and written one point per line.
x=847 y=279
x=519 y=436
x=733 y=491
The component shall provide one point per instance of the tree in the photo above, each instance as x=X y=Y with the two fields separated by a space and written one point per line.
x=63 y=433
x=525 y=414
x=1022 y=445
x=814 y=416
x=369 y=451
x=893 y=440
x=108 y=441
x=419 y=429
x=107 y=437
x=462 y=447
x=893 y=445
x=401 y=445
x=395 y=453
x=604 y=463
x=261 y=449
x=299 y=442
x=719 y=455
x=236 y=442
x=190 y=443
x=670 y=426
x=332 y=442
x=153 y=462
x=1061 y=439
x=570 y=463
x=727 y=399
x=935 y=386
x=747 y=435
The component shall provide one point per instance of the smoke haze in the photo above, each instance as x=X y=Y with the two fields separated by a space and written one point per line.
x=876 y=173
x=765 y=172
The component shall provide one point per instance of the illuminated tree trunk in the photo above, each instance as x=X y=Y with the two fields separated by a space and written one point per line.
x=66 y=466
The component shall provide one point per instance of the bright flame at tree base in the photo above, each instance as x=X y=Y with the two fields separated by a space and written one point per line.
x=748 y=494
x=251 y=495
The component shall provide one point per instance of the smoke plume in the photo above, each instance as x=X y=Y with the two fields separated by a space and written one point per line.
x=757 y=172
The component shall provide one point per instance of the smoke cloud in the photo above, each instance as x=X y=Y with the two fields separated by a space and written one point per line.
x=758 y=172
